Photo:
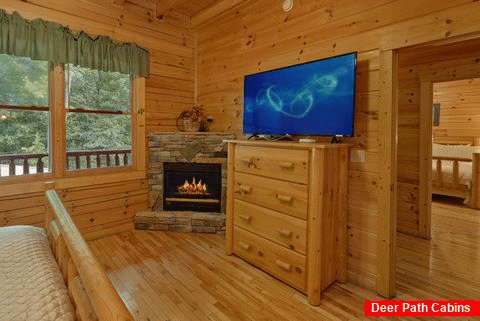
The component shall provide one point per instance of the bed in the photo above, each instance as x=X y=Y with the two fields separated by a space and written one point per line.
x=51 y=274
x=455 y=172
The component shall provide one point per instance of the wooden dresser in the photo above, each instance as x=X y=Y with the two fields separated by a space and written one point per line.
x=286 y=211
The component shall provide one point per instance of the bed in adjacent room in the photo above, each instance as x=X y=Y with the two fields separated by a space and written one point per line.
x=455 y=171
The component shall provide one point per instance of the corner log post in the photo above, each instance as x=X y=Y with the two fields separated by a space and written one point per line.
x=92 y=293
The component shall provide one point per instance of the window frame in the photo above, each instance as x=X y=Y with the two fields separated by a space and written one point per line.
x=48 y=109
x=57 y=132
x=101 y=112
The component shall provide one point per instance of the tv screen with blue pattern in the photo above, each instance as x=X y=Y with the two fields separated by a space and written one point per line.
x=314 y=98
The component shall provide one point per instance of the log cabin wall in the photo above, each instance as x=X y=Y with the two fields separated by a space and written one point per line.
x=459 y=111
x=256 y=36
x=99 y=205
x=439 y=65
x=105 y=204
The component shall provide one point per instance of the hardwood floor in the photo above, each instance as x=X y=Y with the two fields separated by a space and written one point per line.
x=187 y=276
x=448 y=265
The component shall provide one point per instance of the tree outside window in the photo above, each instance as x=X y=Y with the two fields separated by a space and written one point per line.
x=98 y=120
x=24 y=116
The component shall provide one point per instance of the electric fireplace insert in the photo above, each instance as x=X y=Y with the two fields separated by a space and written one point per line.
x=192 y=187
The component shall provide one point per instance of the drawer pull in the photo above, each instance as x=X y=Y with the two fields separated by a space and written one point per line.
x=284 y=198
x=286 y=165
x=284 y=232
x=246 y=218
x=245 y=189
x=250 y=162
x=245 y=246
x=284 y=266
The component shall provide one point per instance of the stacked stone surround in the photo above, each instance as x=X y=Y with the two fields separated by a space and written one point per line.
x=201 y=147
x=181 y=221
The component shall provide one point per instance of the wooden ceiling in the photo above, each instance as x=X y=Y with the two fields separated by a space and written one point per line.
x=198 y=10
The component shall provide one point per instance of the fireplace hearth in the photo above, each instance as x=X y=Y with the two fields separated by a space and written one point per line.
x=192 y=187
x=207 y=148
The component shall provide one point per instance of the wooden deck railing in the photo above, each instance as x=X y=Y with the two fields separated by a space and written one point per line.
x=11 y=159
x=102 y=158
x=80 y=160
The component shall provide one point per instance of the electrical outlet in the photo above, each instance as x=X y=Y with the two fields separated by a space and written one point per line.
x=357 y=156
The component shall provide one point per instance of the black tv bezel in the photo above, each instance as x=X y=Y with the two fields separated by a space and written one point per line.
x=355 y=53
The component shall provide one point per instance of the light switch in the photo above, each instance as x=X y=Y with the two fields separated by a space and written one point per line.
x=357 y=156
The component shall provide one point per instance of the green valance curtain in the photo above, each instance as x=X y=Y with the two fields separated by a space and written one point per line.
x=41 y=40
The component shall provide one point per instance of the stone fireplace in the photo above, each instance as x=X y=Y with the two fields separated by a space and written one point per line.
x=179 y=158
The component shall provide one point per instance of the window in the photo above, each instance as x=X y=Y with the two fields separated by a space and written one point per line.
x=99 y=118
x=96 y=117
x=24 y=116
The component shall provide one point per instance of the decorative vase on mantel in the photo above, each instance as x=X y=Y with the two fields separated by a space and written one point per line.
x=190 y=125
x=192 y=120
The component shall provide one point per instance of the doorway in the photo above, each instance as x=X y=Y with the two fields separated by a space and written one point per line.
x=419 y=70
x=455 y=140
x=426 y=252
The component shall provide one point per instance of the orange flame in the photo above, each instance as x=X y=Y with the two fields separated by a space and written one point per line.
x=193 y=187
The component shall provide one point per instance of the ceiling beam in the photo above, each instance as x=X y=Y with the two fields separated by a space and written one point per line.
x=213 y=11
x=164 y=7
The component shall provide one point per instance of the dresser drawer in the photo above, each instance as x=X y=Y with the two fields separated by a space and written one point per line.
x=283 y=263
x=288 y=231
x=286 y=197
x=282 y=163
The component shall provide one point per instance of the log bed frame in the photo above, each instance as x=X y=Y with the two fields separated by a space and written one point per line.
x=91 y=292
x=471 y=193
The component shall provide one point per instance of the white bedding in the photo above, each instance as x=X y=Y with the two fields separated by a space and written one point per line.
x=31 y=285
x=464 y=151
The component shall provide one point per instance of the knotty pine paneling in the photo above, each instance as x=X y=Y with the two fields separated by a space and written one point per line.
x=169 y=90
x=170 y=43
x=258 y=36
x=107 y=208
x=97 y=209
x=459 y=111
x=24 y=209
x=441 y=65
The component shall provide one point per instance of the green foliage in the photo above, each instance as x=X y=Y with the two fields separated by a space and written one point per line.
x=98 y=90
x=98 y=132
x=23 y=132
x=24 y=82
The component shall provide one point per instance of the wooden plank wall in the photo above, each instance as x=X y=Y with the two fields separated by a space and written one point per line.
x=169 y=89
x=107 y=204
x=105 y=208
x=99 y=206
x=257 y=36
x=441 y=65
x=459 y=111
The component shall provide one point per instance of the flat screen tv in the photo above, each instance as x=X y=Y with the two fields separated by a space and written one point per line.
x=314 y=98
